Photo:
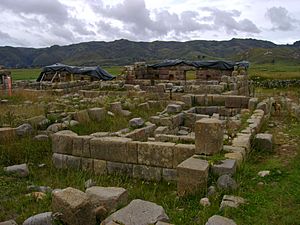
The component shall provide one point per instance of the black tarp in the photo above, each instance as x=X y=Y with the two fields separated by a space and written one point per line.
x=92 y=71
x=210 y=64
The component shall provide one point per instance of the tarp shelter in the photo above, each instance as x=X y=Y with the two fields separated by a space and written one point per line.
x=94 y=72
x=209 y=64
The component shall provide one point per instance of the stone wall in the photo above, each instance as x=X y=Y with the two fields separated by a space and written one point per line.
x=108 y=155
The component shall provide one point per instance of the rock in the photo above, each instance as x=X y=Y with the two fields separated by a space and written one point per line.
x=204 y=202
x=9 y=222
x=208 y=136
x=227 y=166
x=231 y=201
x=264 y=142
x=110 y=114
x=53 y=128
x=225 y=182
x=263 y=173
x=70 y=123
x=37 y=195
x=219 y=220
x=173 y=108
x=163 y=223
x=89 y=183
x=19 y=170
x=82 y=116
x=237 y=156
x=192 y=175
x=75 y=207
x=109 y=197
x=136 y=122
x=211 y=191
x=116 y=107
x=24 y=130
x=41 y=137
x=138 y=212
x=43 y=189
x=182 y=132
x=97 y=114
x=125 y=113
x=40 y=219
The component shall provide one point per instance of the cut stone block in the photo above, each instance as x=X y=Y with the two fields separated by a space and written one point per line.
x=237 y=156
x=81 y=146
x=227 y=166
x=100 y=167
x=73 y=162
x=173 y=108
x=264 y=142
x=147 y=172
x=138 y=212
x=192 y=175
x=169 y=174
x=82 y=116
x=156 y=154
x=42 y=218
x=87 y=164
x=231 y=201
x=182 y=152
x=252 y=103
x=242 y=141
x=59 y=161
x=220 y=220
x=97 y=114
x=136 y=122
x=75 y=207
x=62 y=142
x=208 y=136
x=120 y=168
x=109 y=197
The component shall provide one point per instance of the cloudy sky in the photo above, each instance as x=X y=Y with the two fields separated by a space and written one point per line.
x=40 y=23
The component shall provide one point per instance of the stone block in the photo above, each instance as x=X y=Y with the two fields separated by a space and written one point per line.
x=208 y=136
x=177 y=120
x=73 y=162
x=100 y=167
x=87 y=164
x=59 y=161
x=96 y=114
x=220 y=220
x=156 y=154
x=20 y=170
x=252 y=103
x=147 y=172
x=192 y=175
x=75 y=207
x=110 y=198
x=161 y=130
x=82 y=116
x=39 y=219
x=237 y=156
x=200 y=100
x=227 y=166
x=62 y=142
x=188 y=100
x=173 y=108
x=243 y=141
x=231 y=201
x=9 y=222
x=169 y=174
x=182 y=152
x=264 y=142
x=138 y=212
x=119 y=168
x=81 y=146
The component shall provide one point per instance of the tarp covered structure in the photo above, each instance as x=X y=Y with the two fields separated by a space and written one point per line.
x=210 y=64
x=95 y=71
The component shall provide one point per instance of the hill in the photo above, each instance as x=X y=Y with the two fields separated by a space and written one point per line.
x=122 y=52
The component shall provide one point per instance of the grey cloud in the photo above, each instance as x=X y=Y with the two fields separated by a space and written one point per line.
x=281 y=19
x=227 y=20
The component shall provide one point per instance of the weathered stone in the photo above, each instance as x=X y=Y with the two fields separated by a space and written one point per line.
x=252 y=103
x=138 y=212
x=73 y=162
x=173 y=108
x=204 y=202
x=53 y=128
x=70 y=123
x=211 y=191
x=59 y=161
x=87 y=164
x=192 y=175
x=96 y=114
x=182 y=152
x=263 y=106
x=243 y=141
x=225 y=182
x=147 y=172
x=44 y=189
x=109 y=197
x=208 y=136
x=62 y=142
x=75 y=207
x=40 y=219
x=81 y=146
x=219 y=220
x=9 y=222
x=161 y=130
x=121 y=168
x=163 y=223
x=263 y=173
x=237 y=156
x=100 y=167
x=136 y=122
x=264 y=142
x=231 y=201
x=41 y=137
x=169 y=174
x=227 y=166
x=19 y=170
x=82 y=116
x=36 y=121
x=156 y=154
x=24 y=130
